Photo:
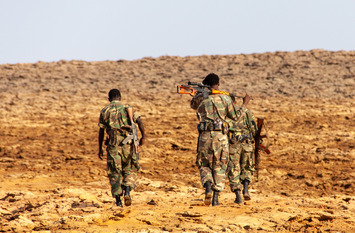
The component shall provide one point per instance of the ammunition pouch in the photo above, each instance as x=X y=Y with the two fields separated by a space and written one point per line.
x=216 y=125
x=210 y=126
x=235 y=137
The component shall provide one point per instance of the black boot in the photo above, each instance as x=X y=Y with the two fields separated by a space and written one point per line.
x=208 y=193
x=246 y=194
x=118 y=201
x=127 y=196
x=238 y=198
x=215 y=198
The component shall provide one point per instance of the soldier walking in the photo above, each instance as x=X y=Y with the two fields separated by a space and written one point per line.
x=122 y=156
x=213 y=145
x=241 y=150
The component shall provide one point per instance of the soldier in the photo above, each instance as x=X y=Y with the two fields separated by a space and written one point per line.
x=122 y=161
x=213 y=146
x=241 y=148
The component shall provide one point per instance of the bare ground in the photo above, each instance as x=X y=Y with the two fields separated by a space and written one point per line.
x=52 y=180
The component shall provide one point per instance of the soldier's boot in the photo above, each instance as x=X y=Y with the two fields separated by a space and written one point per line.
x=246 y=194
x=238 y=197
x=127 y=196
x=208 y=193
x=118 y=201
x=215 y=198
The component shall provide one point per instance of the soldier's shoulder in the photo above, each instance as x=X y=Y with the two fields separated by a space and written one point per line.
x=117 y=104
x=113 y=105
x=196 y=100
x=104 y=109
x=226 y=98
x=198 y=94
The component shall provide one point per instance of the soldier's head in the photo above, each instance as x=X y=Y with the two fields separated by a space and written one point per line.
x=114 y=94
x=211 y=80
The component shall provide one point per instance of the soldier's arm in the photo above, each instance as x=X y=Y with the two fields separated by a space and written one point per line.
x=101 y=139
x=196 y=100
x=233 y=112
x=137 y=119
x=141 y=128
x=101 y=133
x=251 y=122
x=246 y=100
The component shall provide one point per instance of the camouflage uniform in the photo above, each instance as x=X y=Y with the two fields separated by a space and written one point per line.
x=213 y=146
x=120 y=158
x=241 y=148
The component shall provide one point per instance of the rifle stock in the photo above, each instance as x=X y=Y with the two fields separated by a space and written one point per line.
x=135 y=135
x=181 y=89
x=193 y=88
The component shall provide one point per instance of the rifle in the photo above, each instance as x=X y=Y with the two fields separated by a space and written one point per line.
x=192 y=88
x=134 y=136
x=258 y=146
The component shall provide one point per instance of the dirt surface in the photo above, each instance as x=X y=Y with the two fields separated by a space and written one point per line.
x=51 y=179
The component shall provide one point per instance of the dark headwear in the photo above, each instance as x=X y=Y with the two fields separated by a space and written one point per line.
x=211 y=79
x=114 y=94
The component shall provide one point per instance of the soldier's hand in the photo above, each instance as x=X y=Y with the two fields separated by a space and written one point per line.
x=101 y=153
x=141 y=141
x=246 y=99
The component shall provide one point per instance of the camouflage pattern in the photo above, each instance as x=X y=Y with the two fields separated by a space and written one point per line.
x=245 y=125
x=120 y=158
x=241 y=164
x=114 y=115
x=246 y=161
x=196 y=100
x=217 y=106
x=233 y=170
x=213 y=148
x=212 y=158
x=120 y=168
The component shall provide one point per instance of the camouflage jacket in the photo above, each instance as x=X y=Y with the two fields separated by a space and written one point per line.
x=196 y=100
x=245 y=125
x=217 y=106
x=114 y=116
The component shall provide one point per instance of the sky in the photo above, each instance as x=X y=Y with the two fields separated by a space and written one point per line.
x=100 y=30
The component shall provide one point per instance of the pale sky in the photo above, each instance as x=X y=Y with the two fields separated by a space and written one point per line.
x=99 y=30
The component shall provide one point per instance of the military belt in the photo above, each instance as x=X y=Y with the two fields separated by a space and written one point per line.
x=210 y=126
x=236 y=137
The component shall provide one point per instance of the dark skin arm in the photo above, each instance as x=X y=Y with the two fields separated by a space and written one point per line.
x=101 y=139
x=141 y=128
x=246 y=99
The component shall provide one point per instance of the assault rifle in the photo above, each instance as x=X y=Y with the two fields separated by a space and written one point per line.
x=258 y=146
x=192 y=88
x=133 y=136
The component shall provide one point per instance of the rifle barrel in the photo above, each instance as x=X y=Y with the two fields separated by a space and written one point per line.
x=181 y=89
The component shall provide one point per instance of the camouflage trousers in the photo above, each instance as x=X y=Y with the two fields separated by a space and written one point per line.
x=212 y=158
x=120 y=168
x=240 y=165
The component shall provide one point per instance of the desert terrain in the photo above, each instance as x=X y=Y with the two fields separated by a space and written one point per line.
x=51 y=179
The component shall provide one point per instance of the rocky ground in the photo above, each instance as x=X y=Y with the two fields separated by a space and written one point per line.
x=51 y=179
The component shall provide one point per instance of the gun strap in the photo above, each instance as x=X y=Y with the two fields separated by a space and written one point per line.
x=215 y=107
